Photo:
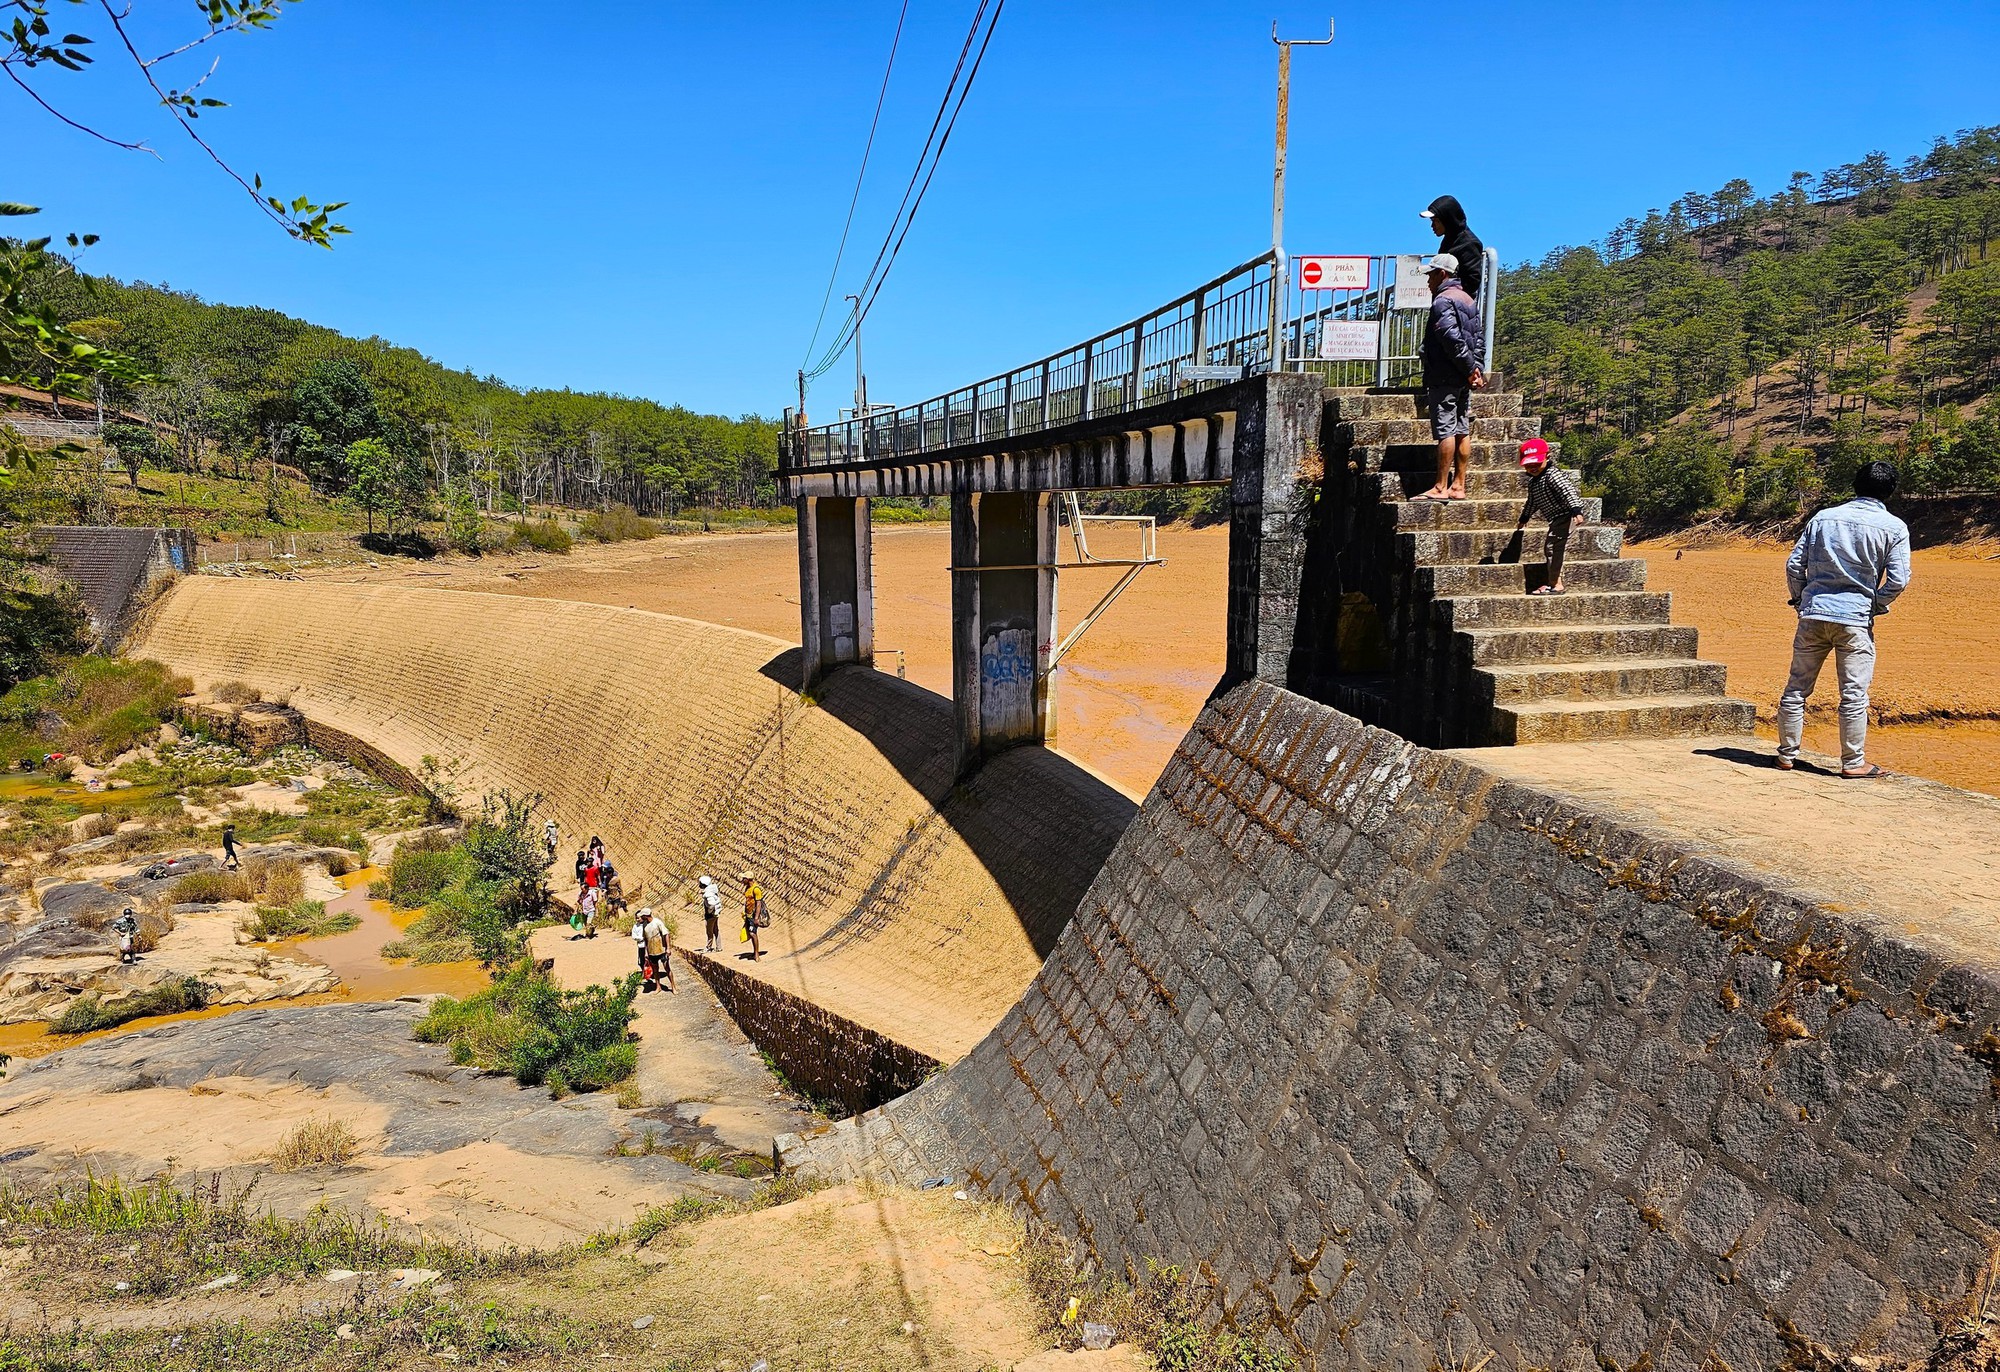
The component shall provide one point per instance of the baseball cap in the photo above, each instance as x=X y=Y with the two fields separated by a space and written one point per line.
x=1443 y=262
x=1534 y=450
x=1427 y=214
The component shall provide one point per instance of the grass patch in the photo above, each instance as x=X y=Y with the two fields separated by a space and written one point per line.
x=690 y=1209
x=527 y=1026
x=540 y=535
x=315 y=1143
x=352 y=803
x=95 y=707
x=87 y=1014
x=619 y=524
x=300 y=919
x=477 y=893
x=209 y=888
x=237 y=693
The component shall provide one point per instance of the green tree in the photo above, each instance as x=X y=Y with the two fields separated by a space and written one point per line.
x=134 y=444
x=381 y=481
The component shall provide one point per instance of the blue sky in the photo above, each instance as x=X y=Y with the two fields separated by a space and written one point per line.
x=645 y=197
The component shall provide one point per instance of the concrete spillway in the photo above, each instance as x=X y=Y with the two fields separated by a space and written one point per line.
x=910 y=906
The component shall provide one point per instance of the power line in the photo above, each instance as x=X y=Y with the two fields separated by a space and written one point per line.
x=920 y=178
x=866 y=151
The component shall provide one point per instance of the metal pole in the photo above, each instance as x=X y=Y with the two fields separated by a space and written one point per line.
x=1279 y=267
x=860 y=384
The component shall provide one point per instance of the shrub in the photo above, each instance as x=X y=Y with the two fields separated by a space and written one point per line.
x=1681 y=473
x=542 y=535
x=171 y=997
x=618 y=524
x=93 y=706
x=237 y=693
x=300 y=919
x=207 y=888
x=526 y=1025
x=315 y=1143
x=96 y=826
x=421 y=869
x=326 y=834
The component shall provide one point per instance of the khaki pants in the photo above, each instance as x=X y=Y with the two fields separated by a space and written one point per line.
x=1853 y=649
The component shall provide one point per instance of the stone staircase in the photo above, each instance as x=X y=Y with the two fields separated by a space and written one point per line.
x=1459 y=654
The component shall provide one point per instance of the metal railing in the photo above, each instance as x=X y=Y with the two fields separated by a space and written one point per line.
x=1225 y=330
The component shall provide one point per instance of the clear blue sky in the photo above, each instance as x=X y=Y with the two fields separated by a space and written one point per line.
x=644 y=197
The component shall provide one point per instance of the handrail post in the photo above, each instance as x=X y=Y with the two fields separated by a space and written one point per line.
x=1047 y=364
x=1384 y=313
x=1201 y=328
x=1138 y=354
x=1009 y=402
x=1089 y=381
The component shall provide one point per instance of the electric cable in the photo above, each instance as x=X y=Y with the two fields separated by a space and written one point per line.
x=920 y=178
x=867 y=149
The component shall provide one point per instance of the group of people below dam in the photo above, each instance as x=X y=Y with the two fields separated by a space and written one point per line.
x=1848 y=566
x=600 y=894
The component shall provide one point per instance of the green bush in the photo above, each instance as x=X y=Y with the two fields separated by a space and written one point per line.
x=542 y=535
x=1680 y=474
x=88 y=1013
x=38 y=628
x=300 y=919
x=93 y=706
x=418 y=873
x=326 y=834
x=619 y=524
x=477 y=893
x=543 y=1035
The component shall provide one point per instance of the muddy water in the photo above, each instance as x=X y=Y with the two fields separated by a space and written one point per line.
x=355 y=956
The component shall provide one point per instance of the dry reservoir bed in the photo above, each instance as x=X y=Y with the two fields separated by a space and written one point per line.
x=1132 y=687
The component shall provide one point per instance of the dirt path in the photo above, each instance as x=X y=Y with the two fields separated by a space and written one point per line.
x=694 y=1063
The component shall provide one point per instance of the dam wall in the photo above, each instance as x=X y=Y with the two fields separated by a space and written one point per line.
x=912 y=906
x=1416 y=1064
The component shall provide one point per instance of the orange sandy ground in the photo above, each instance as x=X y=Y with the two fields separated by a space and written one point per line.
x=1128 y=692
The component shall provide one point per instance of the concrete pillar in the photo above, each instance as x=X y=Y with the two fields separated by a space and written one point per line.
x=836 y=583
x=1003 y=621
x=1277 y=440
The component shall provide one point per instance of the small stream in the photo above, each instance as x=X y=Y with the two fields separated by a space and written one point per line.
x=355 y=957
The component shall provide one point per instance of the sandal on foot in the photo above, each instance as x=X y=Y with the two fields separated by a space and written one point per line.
x=1547 y=590
x=1872 y=774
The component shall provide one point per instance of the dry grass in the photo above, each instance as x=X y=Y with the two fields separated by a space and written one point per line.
x=206 y=888
x=282 y=884
x=316 y=1142
x=237 y=693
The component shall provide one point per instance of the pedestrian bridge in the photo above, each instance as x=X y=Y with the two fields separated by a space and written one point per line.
x=1221 y=386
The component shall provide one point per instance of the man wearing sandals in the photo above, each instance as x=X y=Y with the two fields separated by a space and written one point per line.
x=1453 y=343
x=1849 y=564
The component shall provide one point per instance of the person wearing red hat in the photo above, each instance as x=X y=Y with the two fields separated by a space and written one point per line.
x=1554 y=497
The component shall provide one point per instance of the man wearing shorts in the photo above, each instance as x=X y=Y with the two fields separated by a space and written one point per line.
x=1454 y=341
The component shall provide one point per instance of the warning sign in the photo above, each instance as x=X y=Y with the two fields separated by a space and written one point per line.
x=1349 y=340
x=1334 y=273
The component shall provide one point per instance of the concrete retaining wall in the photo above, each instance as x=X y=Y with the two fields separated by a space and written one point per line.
x=1409 y=1059
x=828 y=1056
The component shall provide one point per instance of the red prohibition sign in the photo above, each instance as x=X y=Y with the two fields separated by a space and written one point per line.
x=1310 y=273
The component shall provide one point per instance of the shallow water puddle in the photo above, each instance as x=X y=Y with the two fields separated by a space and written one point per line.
x=355 y=956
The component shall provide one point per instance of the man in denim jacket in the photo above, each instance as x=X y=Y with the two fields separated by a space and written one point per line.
x=1849 y=564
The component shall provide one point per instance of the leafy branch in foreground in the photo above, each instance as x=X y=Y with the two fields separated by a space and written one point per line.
x=30 y=42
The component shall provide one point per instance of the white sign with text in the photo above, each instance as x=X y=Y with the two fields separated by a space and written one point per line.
x=1333 y=273
x=1349 y=340
x=1413 y=289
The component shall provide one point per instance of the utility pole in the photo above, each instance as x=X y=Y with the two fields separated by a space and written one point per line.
x=860 y=383
x=1280 y=267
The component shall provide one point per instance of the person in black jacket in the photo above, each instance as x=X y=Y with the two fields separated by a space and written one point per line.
x=1453 y=356
x=1448 y=223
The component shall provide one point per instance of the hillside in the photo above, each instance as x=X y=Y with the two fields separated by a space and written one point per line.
x=1741 y=354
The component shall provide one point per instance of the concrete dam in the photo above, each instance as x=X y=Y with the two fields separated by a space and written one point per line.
x=1619 y=1051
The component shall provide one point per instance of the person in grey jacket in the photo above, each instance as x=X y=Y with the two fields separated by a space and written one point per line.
x=1454 y=342
x=1851 y=562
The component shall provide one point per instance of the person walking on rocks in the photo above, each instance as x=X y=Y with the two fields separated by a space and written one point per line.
x=126 y=926
x=1452 y=347
x=650 y=934
x=1851 y=562
x=229 y=847
x=1447 y=218
x=711 y=913
x=756 y=915
x=1555 y=498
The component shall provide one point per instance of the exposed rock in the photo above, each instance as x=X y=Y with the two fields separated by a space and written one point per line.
x=80 y=900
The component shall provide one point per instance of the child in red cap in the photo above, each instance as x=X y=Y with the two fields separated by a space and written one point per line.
x=1555 y=498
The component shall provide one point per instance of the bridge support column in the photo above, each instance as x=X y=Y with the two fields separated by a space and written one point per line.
x=1003 y=611
x=836 y=583
x=1277 y=448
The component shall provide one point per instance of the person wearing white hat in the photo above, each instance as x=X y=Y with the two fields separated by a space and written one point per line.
x=1452 y=348
x=711 y=913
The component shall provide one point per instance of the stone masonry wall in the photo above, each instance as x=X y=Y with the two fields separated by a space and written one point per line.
x=828 y=1056
x=1409 y=1059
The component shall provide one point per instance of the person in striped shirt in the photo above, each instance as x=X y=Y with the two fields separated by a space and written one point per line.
x=1555 y=498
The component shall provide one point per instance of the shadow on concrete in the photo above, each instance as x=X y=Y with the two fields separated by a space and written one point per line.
x=1040 y=824
x=1764 y=761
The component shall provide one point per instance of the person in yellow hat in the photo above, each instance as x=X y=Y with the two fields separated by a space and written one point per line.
x=756 y=915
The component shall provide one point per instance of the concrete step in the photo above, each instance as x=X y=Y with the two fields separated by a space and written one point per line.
x=1619 y=679
x=1503 y=458
x=1518 y=578
x=1444 y=547
x=1376 y=432
x=1474 y=514
x=1351 y=405
x=1664 y=716
x=1489 y=484
x=1572 y=643
x=1572 y=607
